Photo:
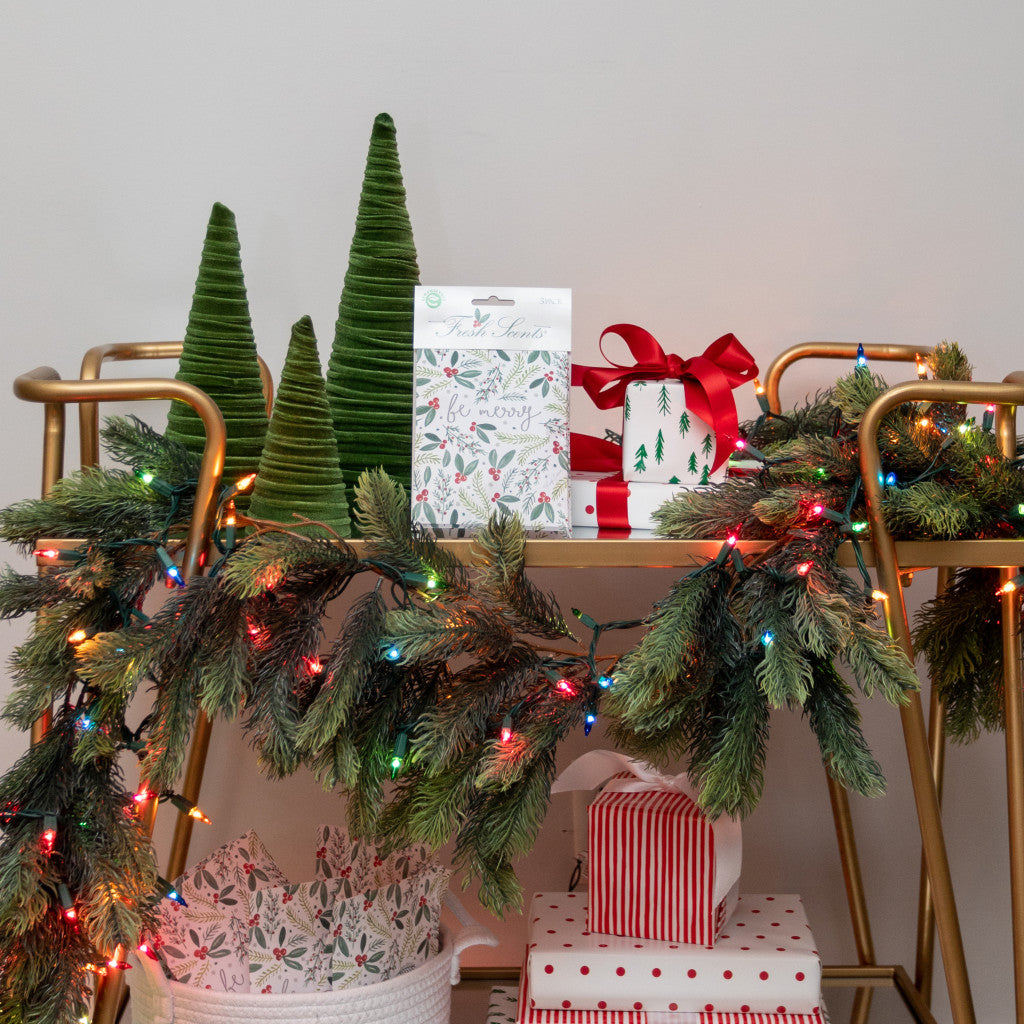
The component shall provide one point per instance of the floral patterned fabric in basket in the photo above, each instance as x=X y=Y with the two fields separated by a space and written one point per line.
x=205 y=943
x=365 y=918
x=359 y=864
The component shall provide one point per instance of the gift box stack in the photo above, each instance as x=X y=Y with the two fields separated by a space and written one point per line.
x=679 y=427
x=236 y=924
x=662 y=937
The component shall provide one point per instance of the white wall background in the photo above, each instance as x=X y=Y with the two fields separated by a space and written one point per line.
x=786 y=171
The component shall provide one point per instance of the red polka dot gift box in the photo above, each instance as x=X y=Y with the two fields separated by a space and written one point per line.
x=765 y=961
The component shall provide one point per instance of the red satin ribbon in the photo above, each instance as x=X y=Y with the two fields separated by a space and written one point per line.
x=612 y=503
x=588 y=454
x=708 y=379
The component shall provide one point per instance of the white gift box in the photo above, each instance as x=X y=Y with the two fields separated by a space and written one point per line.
x=765 y=961
x=662 y=441
x=604 y=502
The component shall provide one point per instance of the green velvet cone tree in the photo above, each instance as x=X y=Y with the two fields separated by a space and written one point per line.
x=369 y=374
x=219 y=354
x=299 y=471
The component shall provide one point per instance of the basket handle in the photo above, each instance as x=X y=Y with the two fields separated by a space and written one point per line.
x=153 y=990
x=472 y=934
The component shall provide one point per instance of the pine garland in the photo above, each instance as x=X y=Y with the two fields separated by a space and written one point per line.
x=440 y=703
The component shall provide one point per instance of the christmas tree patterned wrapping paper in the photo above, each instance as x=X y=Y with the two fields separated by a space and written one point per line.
x=766 y=961
x=369 y=373
x=298 y=470
x=662 y=441
x=219 y=355
x=491 y=427
x=679 y=415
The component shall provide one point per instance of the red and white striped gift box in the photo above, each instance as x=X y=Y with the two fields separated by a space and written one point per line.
x=528 y=1013
x=653 y=863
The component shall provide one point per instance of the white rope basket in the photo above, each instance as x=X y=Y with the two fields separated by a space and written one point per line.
x=422 y=996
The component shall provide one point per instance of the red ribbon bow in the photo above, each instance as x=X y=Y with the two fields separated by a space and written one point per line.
x=708 y=379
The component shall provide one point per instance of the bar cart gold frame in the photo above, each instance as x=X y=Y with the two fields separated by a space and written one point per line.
x=45 y=387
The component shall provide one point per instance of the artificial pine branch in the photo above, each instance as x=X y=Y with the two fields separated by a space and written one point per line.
x=836 y=723
x=134 y=443
x=99 y=505
x=960 y=637
x=502 y=564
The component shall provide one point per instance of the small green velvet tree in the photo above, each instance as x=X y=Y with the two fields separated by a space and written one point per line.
x=298 y=471
x=219 y=354
x=369 y=373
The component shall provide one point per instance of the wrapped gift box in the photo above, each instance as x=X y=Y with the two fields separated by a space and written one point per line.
x=765 y=962
x=659 y=869
x=662 y=441
x=609 y=502
x=491 y=408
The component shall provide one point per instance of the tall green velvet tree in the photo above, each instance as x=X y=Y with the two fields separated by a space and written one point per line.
x=369 y=374
x=219 y=354
x=299 y=471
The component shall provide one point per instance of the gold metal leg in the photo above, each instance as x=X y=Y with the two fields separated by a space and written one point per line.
x=855 y=897
x=1013 y=706
x=925 y=962
x=860 y=1013
x=111 y=993
x=911 y=714
x=190 y=788
x=1014 y=709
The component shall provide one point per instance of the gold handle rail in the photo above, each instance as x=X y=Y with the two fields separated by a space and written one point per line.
x=833 y=350
x=42 y=385
x=123 y=351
